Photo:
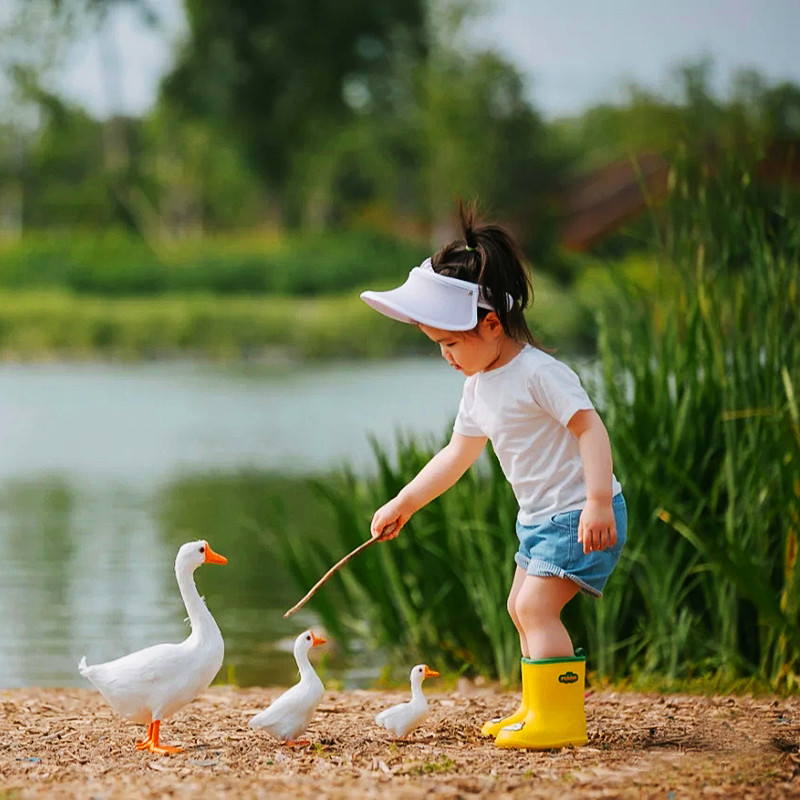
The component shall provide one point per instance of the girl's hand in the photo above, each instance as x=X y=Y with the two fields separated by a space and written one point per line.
x=388 y=520
x=597 y=527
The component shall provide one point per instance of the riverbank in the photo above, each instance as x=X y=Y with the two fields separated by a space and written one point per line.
x=68 y=743
x=55 y=323
x=108 y=295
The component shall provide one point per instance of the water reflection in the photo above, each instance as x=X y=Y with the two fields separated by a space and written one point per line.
x=79 y=567
x=105 y=472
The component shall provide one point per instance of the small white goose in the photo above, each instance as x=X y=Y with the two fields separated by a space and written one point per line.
x=151 y=684
x=403 y=718
x=288 y=716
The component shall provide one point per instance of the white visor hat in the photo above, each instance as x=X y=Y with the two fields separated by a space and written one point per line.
x=428 y=298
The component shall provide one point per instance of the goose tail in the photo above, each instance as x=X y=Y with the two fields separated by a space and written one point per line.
x=260 y=720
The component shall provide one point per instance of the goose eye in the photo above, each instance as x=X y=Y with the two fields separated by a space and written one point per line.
x=202 y=549
x=308 y=638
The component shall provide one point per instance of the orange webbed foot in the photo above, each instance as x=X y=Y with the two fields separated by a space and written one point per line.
x=152 y=743
x=145 y=744
x=163 y=749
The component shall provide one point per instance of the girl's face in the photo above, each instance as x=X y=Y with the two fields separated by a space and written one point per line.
x=478 y=350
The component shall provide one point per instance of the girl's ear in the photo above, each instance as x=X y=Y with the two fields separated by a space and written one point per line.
x=492 y=324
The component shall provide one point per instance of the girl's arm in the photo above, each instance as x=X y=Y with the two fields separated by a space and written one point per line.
x=438 y=475
x=597 y=528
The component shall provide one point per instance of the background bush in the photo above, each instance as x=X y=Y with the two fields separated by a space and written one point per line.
x=48 y=323
x=119 y=264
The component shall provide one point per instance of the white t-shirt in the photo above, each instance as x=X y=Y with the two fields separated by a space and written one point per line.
x=523 y=408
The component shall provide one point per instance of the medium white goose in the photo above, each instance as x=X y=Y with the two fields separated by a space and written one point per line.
x=288 y=716
x=403 y=718
x=151 y=684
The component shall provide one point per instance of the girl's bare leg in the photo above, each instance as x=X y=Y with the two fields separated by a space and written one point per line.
x=516 y=585
x=537 y=615
x=494 y=726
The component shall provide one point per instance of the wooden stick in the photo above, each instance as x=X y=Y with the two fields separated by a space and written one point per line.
x=340 y=563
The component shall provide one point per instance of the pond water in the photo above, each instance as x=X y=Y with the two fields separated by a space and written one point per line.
x=105 y=470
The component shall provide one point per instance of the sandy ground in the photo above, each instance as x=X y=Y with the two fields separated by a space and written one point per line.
x=67 y=743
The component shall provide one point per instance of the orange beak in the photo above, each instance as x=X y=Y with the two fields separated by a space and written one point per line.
x=430 y=673
x=214 y=558
x=316 y=641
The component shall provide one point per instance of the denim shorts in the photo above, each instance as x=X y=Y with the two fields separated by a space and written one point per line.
x=552 y=548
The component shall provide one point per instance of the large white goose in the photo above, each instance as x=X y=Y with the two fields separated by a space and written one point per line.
x=151 y=684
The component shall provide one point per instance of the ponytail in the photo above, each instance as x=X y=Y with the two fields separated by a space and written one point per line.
x=488 y=255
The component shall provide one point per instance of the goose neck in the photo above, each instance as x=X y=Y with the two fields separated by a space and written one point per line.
x=416 y=691
x=304 y=664
x=200 y=619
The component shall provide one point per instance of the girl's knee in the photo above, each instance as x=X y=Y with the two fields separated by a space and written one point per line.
x=516 y=586
x=536 y=608
x=511 y=605
x=527 y=612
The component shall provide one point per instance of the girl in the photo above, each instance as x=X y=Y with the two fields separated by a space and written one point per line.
x=554 y=450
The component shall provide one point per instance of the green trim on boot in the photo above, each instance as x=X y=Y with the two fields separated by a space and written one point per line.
x=579 y=656
x=494 y=726
x=556 y=714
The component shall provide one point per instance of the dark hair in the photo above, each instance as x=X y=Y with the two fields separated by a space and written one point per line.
x=489 y=256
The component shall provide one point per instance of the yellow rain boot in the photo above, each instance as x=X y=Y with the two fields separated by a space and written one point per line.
x=494 y=726
x=556 y=714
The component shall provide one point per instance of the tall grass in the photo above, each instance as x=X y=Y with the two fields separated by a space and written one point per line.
x=436 y=593
x=700 y=391
x=702 y=386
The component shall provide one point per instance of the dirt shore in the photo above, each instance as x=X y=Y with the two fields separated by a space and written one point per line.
x=58 y=743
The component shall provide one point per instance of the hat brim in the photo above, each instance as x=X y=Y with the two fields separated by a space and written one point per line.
x=429 y=299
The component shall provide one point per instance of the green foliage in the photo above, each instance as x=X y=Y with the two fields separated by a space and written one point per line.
x=112 y=297
x=66 y=176
x=273 y=75
x=44 y=324
x=701 y=402
x=482 y=139
x=274 y=114
x=690 y=116
x=117 y=264
x=436 y=593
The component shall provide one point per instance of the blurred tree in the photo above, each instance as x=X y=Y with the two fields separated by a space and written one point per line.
x=32 y=41
x=483 y=139
x=275 y=75
x=197 y=180
x=65 y=177
x=68 y=167
x=752 y=135
x=381 y=113
x=427 y=129
x=689 y=115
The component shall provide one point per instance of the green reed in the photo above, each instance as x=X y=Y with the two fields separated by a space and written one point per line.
x=437 y=592
x=701 y=384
